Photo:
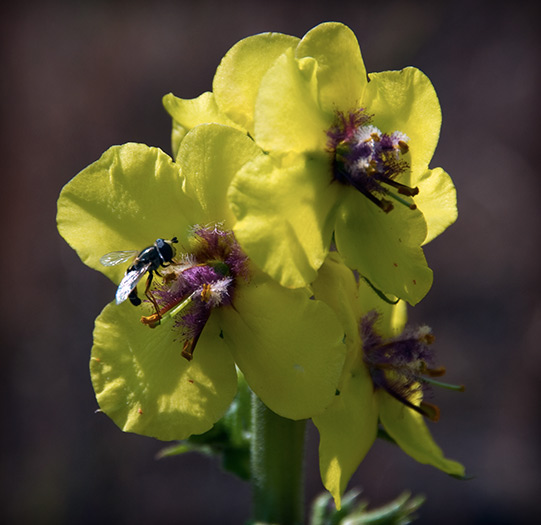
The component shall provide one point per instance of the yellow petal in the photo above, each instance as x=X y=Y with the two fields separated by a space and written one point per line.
x=144 y=384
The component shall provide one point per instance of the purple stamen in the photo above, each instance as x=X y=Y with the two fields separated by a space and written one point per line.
x=205 y=279
x=397 y=365
x=367 y=159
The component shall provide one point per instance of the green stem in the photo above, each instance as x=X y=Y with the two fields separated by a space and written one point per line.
x=277 y=453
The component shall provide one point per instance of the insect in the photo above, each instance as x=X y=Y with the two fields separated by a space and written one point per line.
x=149 y=260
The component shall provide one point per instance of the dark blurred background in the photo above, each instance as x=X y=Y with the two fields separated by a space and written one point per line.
x=78 y=77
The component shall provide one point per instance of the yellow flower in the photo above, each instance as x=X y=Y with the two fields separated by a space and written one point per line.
x=343 y=149
x=385 y=368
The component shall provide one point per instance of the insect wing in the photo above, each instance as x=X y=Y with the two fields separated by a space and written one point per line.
x=129 y=282
x=114 y=258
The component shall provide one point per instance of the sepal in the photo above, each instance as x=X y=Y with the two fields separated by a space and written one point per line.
x=400 y=511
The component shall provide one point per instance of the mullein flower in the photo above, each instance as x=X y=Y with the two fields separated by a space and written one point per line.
x=388 y=367
x=172 y=372
x=347 y=158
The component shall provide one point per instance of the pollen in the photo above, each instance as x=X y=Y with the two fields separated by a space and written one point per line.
x=206 y=293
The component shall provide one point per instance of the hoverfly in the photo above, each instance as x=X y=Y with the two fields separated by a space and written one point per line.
x=148 y=260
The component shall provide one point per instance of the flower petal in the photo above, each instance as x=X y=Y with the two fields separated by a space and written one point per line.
x=287 y=112
x=290 y=348
x=410 y=432
x=284 y=210
x=406 y=101
x=189 y=113
x=125 y=200
x=437 y=201
x=384 y=247
x=209 y=157
x=239 y=74
x=144 y=384
x=341 y=73
x=347 y=430
x=337 y=287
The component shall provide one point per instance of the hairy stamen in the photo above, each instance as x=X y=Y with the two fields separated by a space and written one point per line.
x=205 y=279
x=369 y=160
x=399 y=366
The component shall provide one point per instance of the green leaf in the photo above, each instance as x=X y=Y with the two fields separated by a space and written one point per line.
x=400 y=511
x=176 y=450
x=238 y=418
x=325 y=513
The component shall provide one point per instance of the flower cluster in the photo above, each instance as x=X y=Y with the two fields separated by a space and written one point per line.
x=340 y=145
x=297 y=180
x=214 y=307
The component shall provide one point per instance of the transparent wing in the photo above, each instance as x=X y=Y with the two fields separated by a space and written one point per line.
x=114 y=258
x=129 y=282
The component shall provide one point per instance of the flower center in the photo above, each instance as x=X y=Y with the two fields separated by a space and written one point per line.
x=204 y=279
x=400 y=365
x=369 y=160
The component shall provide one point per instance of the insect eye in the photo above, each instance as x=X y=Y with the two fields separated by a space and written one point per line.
x=165 y=250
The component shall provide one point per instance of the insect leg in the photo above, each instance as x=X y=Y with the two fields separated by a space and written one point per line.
x=134 y=298
x=150 y=296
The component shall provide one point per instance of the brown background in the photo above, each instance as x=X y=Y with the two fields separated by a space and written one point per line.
x=79 y=77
